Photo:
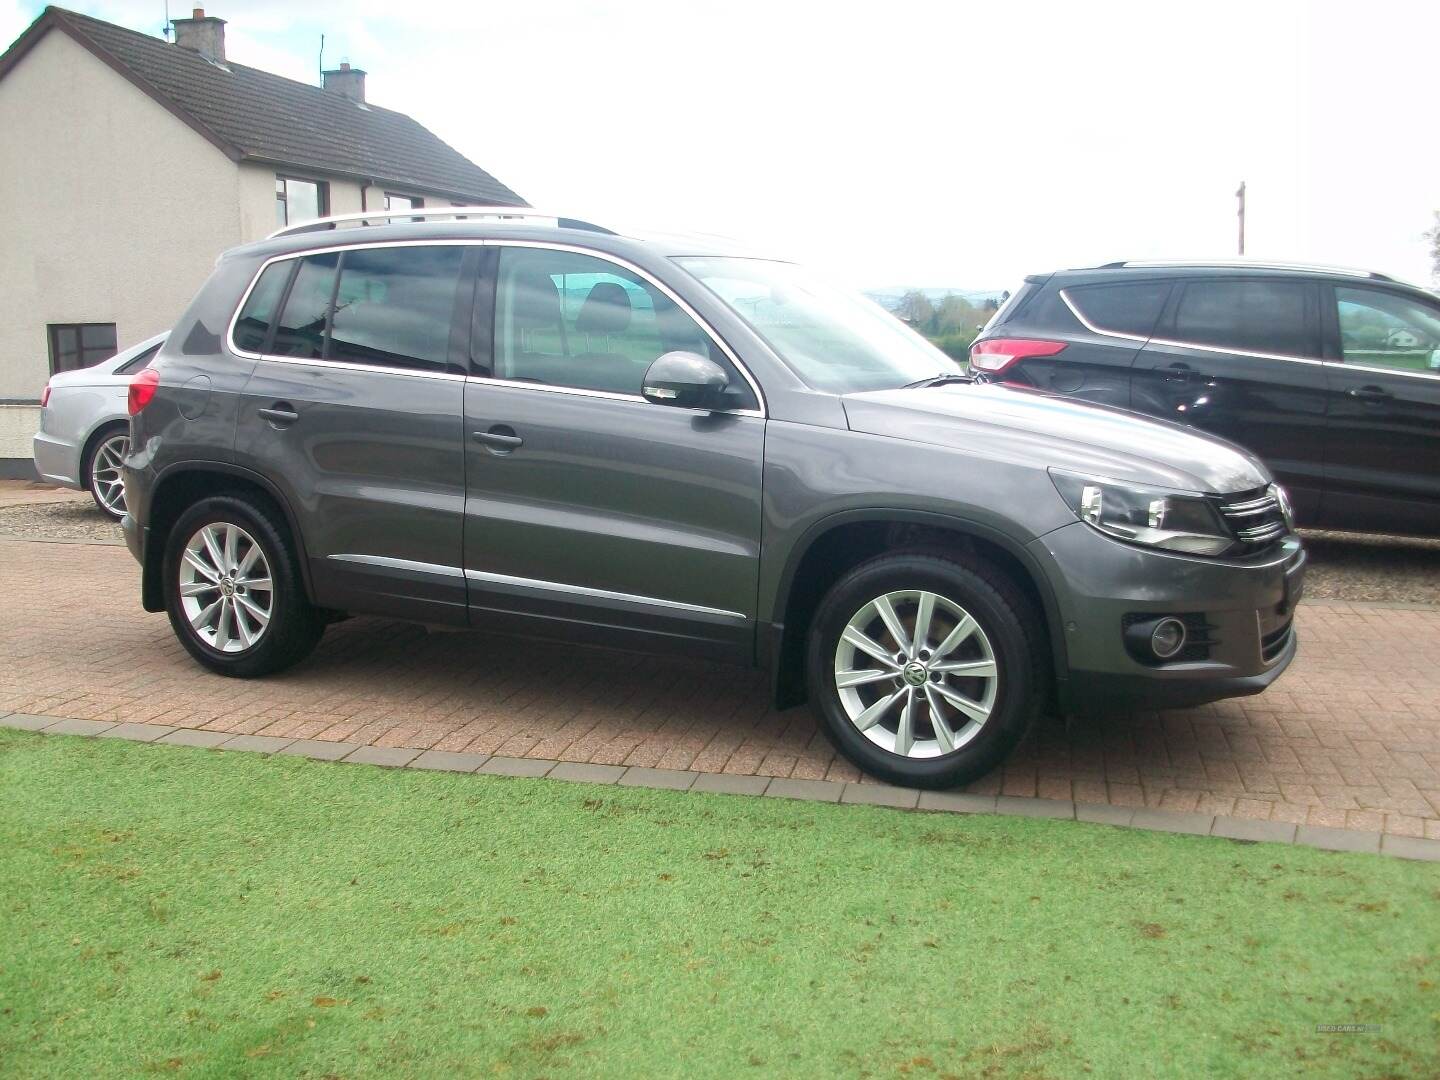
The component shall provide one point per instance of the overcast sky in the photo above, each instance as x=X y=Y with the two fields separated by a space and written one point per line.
x=908 y=142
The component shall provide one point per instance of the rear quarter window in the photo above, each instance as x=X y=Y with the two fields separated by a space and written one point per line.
x=252 y=328
x=1010 y=303
x=1131 y=309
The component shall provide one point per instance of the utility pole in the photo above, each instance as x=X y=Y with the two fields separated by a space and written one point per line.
x=1240 y=195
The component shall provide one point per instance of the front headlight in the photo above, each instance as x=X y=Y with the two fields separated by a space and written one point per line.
x=1153 y=517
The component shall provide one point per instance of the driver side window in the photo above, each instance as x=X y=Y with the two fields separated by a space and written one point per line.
x=1381 y=329
x=572 y=320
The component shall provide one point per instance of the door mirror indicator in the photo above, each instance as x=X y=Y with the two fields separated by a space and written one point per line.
x=687 y=380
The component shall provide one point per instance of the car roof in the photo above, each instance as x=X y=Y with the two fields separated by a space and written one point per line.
x=1192 y=268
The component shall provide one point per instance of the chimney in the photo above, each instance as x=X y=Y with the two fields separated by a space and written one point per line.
x=346 y=81
x=202 y=33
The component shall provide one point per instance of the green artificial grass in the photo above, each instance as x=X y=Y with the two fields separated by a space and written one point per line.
x=221 y=914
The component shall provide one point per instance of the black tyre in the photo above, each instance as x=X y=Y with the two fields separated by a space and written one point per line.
x=101 y=469
x=233 y=589
x=932 y=709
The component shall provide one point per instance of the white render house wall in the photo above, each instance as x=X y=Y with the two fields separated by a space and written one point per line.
x=116 y=212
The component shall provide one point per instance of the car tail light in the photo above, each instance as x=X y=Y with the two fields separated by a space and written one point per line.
x=142 y=389
x=45 y=396
x=994 y=355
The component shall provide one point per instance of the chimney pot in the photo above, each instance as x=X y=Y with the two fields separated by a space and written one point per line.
x=202 y=33
x=347 y=81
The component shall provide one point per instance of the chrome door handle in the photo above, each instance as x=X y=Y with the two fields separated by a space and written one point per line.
x=1179 y=373
x=280 y=414
x=1369 y=393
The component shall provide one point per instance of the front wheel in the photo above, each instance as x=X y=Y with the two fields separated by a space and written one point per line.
x=233 y=589
x=926 y=671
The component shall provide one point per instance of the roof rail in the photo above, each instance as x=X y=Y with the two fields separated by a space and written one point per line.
x=520 y=215
x=1252 y=264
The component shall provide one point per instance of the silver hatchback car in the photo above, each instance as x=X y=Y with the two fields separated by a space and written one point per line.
x=85 y=429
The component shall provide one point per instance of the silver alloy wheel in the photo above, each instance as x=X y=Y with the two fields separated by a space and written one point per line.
x=105 y=480
x=225 y=587
x=916 y=674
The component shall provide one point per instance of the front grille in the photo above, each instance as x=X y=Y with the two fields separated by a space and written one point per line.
x=1255 y=517
x=1273 y=643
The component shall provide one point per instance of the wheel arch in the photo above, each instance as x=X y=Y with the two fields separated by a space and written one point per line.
x=181 y=486
x=93 y=440
x=840 y=541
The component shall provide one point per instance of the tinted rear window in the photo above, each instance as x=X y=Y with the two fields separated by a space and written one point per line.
x=393 y=307
x=253 y=326
x=1122 y=309
x=302 y=327
x=1010 y=303
x=1257 y=316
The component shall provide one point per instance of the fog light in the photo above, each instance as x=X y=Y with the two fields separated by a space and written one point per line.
x=1168 y=638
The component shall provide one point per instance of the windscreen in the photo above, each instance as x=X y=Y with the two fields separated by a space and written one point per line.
x=833 y=339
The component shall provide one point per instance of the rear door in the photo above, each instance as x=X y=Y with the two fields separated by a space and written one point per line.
x=354 y=412
x=1241 y=358
x=592 y=513
x=1382 y=464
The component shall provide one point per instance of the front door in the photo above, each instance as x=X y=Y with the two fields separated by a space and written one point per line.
x=591 y=513
x=1241 y=358
x=354 y=413
x=1383 y=461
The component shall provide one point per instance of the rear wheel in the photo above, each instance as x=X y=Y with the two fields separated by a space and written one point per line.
x=925 y=671
x=233 y=589
x=102 y=470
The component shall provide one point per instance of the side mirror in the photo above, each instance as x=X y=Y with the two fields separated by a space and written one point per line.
x=687 y=380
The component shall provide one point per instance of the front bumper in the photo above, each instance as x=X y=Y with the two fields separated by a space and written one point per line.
x=1246 y=608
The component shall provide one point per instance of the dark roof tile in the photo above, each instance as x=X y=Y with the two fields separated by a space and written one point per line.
x=253 y=114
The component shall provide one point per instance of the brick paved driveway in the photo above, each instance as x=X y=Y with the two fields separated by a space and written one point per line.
x=1349 y=737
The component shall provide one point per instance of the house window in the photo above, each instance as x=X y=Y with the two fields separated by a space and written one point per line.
x=403 y=202
x=299 y=200
x=79 y=345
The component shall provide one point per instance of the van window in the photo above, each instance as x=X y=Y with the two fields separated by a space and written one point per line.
x=1254 y=316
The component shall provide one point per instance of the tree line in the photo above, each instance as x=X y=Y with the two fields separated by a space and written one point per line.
x=952 y=323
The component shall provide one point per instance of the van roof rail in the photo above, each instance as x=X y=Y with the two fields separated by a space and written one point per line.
x=519 y=215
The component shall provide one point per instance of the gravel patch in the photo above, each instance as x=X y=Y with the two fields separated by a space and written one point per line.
x=70 y=520
x=1358 y=566
x=1343 y=566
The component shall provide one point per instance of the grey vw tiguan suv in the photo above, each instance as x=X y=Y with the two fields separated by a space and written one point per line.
x=531 y=424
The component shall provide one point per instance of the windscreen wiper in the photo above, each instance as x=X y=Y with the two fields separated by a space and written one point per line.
x=943 y=379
